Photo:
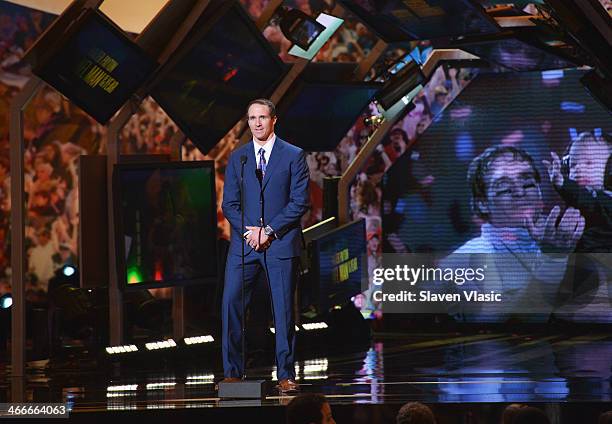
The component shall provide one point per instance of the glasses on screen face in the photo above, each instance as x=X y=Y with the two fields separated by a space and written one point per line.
x=505 y=187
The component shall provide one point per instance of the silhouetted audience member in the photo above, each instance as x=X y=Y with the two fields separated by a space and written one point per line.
x=510 y=412
x=530 y=415
x=415 y=413
x=605 y=418
x=309 y=408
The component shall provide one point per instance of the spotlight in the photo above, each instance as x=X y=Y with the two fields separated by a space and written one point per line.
x=298 y=27
x=404 y=85
x=6 y=301
x=65 y=275
x=374 y=120
x=331 y=24
x=68 y=270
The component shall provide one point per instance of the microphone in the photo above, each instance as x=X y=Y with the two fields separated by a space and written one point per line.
x=243 y=159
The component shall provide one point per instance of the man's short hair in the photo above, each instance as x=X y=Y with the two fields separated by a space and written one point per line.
x=415 y=413
x=265 y=102
x=306 y=408
x=480 y=166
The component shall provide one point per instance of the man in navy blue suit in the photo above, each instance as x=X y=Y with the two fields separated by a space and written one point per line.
x=274 y=247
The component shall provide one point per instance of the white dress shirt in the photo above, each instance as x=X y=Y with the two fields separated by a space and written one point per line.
x=267 y=150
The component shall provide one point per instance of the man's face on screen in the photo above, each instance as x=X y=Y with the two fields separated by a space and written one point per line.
x=513 y=193
x=260 y=122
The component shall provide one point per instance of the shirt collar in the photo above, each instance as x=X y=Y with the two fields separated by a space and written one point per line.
x=517 y=237
x=267 y=147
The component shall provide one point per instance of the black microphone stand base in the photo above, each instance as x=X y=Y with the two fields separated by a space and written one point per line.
x=243 y=389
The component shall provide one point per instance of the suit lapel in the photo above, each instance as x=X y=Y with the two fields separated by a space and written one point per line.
x=275 y=157
x=251 y=186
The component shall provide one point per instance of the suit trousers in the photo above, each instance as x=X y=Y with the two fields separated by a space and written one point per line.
x=281 y=277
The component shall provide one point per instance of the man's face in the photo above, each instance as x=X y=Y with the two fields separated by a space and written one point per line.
x=327 y=414
x=513 y=193
x=260 y=122
x=43 y=239
x=588 y=163
x=397 y=141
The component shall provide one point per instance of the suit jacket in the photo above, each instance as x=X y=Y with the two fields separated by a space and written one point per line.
x=285 y=197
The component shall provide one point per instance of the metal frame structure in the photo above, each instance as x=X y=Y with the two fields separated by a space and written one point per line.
x=156 y=40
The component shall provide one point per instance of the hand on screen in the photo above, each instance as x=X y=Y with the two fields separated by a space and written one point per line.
x=554 y=237
x=553 y=167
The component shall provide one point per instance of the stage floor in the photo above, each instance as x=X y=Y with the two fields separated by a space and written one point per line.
x=397 y=368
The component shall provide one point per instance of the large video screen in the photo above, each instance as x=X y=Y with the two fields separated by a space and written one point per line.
x=337 y=264
x=220 y=68
x=93 y=63
x=329 y=108
x=166 y=223
x=403 y=20
x=429 y=206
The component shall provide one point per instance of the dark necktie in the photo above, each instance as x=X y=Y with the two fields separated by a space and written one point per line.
x=262 y=161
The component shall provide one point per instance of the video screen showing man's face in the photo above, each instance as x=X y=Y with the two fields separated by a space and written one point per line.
x=513 y=192
x=479 y=178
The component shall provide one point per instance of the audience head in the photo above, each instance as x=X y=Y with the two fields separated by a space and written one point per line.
x=605 y=418
x=309 y=408
x=415 y=413
x=510 y=412
x=530 y=415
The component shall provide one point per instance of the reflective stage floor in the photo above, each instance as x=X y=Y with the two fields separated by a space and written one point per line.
x=571 y=374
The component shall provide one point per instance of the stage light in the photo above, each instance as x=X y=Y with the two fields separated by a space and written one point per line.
x=124 y=388
x=314 y=326
x=198 y=340
x=401 y=86
x=197 y=380
x=315 y=366
x=374 y=120
x=113 y=350
x=163 y=344
x=6 y=301
x=161 y=385
x=128 y=390
x=331 y=24
x=273 y=331
x=68 y=270
x=299 y=28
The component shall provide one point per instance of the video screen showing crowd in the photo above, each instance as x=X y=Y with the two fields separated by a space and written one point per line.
x=518 y=169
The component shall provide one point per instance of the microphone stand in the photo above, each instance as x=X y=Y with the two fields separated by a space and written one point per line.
x=243 y=160
x=262 y=223
x=244 y=389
